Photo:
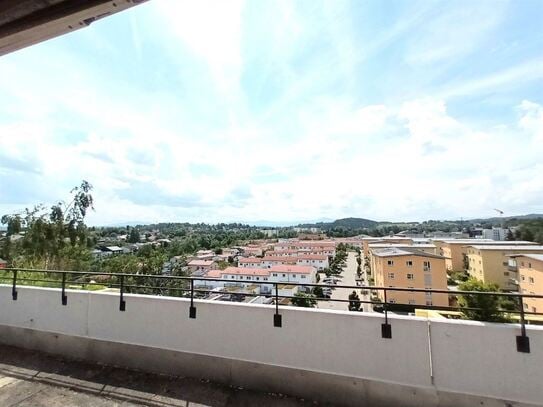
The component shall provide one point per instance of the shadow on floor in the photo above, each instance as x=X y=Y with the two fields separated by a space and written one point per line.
x=29 y=378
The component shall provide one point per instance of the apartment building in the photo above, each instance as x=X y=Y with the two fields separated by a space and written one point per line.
x=426 y=248
x=250 y=262
x=201 y=266
x=530 y=272
x=490 y=263
x=395 y=267
x=242 y=276
x=456 y=250
x=319 y=261
x=366 y=241
x=270 y=261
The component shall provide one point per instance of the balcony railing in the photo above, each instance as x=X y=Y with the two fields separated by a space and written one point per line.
x=152 y=284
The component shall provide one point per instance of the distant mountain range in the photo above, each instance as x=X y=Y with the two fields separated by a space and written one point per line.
x=354 y=223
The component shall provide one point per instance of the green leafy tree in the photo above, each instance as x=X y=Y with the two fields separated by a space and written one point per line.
x=48 y=231
x=354 y=302
x=304 y=300
x=484 y=307
x=317 y=292
x=510 y=235
x=133 y=236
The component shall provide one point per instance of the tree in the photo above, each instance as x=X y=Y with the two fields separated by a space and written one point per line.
x=48 y=231
x=133 y=236
x=485 y=307
x=510 y=235
x=317 y=292
x=354 y=302
x=303 y=300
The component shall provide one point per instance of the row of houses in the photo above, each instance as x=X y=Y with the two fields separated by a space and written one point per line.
x=245 y=277
x=319 y=261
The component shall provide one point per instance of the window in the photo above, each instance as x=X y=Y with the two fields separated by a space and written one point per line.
x=426 y=266
x=411 y=302
x=428 y=302
x=274 y=274
x=303 y=276
x=284 y=275
x=534 y=309
x=294 y=276
x=265 y=278
x=529 y=265
x=428 y=280
x=522 y=277
x=391 y=276
x=392 y=301
x=232 y=277
x=390 y=262
x=258 y=278
x=505 y=273
x=531 y=280
x=248 y=277
x=410 y=276
x=525 y=306
x=428 y=294
x=505 y=263
x=409 y=263
x=522 y=263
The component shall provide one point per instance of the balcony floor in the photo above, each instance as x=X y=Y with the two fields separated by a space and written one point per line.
x=29 y=378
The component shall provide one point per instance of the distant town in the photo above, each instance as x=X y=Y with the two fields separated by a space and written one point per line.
x=237 y=262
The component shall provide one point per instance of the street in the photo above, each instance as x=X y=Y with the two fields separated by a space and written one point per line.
x=347 y=278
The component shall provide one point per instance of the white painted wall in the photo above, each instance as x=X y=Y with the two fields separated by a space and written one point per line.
x=467 y=357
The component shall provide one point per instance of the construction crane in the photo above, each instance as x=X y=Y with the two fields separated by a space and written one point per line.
x=499 y=211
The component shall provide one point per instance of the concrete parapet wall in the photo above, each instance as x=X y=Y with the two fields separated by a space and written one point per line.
x=325 y=355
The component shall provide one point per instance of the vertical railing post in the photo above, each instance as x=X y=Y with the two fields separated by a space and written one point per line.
x=14 y=287
x=122 y=303
x=386 y=329
x=523 y=341
x=192 y=309
x=277 y=318
x=63 y=296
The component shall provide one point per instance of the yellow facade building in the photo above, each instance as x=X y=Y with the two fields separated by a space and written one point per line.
x=395 y=267
x=530 y=272
x=490 y=263
x=455 y=250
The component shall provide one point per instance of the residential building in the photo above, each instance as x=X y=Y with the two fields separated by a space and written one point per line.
x=3 y=263
x=245 y=276
x=530 y=272
x=320 y=261
x=366 y=241
x=250 y=262
x=394 y=267
x=455 y=250
x=495 y=233
x=199 y=267
x=270 y=261
x=490 y=263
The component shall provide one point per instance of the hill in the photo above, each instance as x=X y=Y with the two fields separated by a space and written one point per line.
x=347 y=223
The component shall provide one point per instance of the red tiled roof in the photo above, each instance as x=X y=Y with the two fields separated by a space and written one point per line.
x=250 y=260
x=292 y=269
x=313 y=257
x=246 y=271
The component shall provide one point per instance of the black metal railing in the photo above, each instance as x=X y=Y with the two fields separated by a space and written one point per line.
x=188 y=287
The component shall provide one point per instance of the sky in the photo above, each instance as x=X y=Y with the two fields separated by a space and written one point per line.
x=286 y=111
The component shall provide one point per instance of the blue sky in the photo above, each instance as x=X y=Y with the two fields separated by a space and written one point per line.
x=282 y=110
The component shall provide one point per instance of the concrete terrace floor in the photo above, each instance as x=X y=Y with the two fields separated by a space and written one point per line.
x=29 y=378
